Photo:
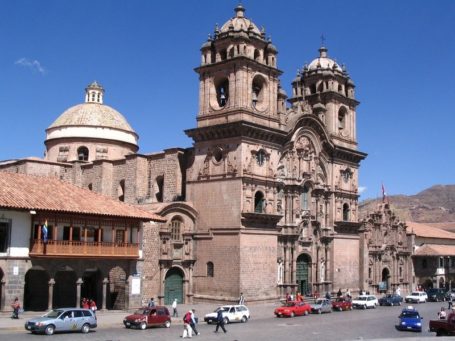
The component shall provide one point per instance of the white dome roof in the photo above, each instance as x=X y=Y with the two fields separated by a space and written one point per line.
x=323 y=62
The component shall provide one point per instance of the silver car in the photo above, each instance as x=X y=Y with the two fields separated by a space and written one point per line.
x=321 y=305
x=63 y=320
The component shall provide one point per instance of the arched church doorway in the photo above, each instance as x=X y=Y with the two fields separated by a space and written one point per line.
x=92 y=286
x=173 y=286
x=303 y=274
x=385 y=280
x=65 y=288
x=117 y=289
x=36 y=289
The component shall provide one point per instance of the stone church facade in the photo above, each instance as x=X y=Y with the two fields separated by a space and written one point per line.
x=266 y=200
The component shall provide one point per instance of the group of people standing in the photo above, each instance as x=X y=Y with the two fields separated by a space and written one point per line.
x=89 y=304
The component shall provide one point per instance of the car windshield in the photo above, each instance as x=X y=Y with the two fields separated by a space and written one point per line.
x=410 y=314
x=141 y=311
x=289 y=304
x=340 y=299
x=53 y=313
x=319 y=301
x=415 y=293
x=361 y=298
x=222 y=308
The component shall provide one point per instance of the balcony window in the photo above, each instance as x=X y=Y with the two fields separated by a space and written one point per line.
x=5 y=234
x=176 y=229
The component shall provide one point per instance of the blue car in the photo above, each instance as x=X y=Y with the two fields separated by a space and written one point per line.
x=390 y=299
x=410 y=319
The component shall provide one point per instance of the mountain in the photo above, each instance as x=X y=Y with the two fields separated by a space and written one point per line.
x=433 y=205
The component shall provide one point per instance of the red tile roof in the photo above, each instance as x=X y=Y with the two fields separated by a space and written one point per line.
x=435 y=250
x=28 y=192
x=426 y=231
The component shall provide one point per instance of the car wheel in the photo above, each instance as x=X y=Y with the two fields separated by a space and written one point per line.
x=305 y=313
x=319 y=311
x=167 y=324
x=340 y=309
x=226 y=320
x=127 y=327
x=143 y=325
x=49 y=330
x=364 y=306
x=292 y=314
x=85 y=328
x=243 y=319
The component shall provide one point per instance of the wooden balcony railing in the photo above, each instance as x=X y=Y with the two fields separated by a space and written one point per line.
x=54 y=248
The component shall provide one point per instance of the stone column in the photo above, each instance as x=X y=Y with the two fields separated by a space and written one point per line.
x=78 y=292
x=2 y=298
x=190 y=283
x=105 y=283
x=51 y=284
x=161 y=292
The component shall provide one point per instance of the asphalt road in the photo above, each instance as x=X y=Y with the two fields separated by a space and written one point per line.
x=351 y=325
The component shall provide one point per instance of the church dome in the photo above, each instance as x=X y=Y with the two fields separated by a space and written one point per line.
x=323 y=62
x=240 y=23
x=97 y=127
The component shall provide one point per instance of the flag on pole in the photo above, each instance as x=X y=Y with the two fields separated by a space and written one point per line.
x=44 y=231
x=384 y=195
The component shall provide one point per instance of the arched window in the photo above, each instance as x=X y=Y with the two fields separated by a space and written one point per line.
x=345 y=212
x=210 y=269
x=257 y=55
x=176 y=228
x=121 y=190
x=304 y=198
x=222 y=91
x=158 y=188
x=259 y=202
x=342 y=113
x=82 y=153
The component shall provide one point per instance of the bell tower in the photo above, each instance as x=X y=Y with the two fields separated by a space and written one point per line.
x=328 y=89
x=238 y=75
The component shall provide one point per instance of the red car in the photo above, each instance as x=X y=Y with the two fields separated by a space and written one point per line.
x=293 y=308
x=341 y=303
x=148 y=317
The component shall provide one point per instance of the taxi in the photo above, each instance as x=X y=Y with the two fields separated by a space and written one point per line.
x=410 y=319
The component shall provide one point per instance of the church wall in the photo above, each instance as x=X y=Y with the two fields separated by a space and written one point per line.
x=218 y=203
x=346 y=263
x=258 y=266
x=223 y=251
x=149 y=268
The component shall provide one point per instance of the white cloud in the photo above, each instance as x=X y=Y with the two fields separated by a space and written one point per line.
x=362 y=189
x=34 y=65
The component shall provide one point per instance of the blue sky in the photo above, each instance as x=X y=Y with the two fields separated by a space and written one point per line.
x=400 y=54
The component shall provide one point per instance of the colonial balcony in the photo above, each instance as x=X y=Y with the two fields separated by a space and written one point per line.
x=81 y=249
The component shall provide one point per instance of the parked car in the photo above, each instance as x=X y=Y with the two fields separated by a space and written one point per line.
x=148 y=317
x=321 y=305
x=63 y=320
x=417 y=297
x=450 y=295
x=390 y=299
x=231 y=313
x=436 y=294
x=342 y=303
x=293 y=308
x=365 y=301
x=443 y=327
x=410 y=319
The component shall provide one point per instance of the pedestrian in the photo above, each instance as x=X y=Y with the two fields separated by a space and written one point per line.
x=348 y=294
x=193 y=322
x=327 y=295
x=220 y=320
x=339 y=293
x=93 y=306
x=241 y=299
x=187 y=331
x=288 y=297
x=450 y=300
x=151 y=303
x=16 y=306
x=442 y=314
x=299 y=297
x=174 y=308
x=398 y=291
x=85 y=304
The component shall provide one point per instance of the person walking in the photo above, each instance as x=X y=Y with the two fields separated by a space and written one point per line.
x=187 y=331
x=220 y=320
x=241 y=299
x=174 y=308
x=16 y=306
x=151 y=303
x=193 y=322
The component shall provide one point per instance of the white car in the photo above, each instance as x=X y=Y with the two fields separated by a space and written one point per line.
x=231 y=313
x=365 y=301
x=417 y=297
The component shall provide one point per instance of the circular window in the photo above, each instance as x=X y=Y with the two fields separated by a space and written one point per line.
x=260 y=157
x=217 y=155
